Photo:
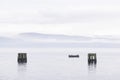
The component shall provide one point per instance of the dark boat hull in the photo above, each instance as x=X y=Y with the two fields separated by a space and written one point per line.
x=73 y=56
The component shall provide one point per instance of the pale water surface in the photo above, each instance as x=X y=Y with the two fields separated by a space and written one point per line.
x=54 y=64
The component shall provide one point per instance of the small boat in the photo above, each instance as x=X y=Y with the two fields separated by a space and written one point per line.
x=73 y=56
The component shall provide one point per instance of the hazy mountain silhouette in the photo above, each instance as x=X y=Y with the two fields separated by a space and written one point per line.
x=55 y=40
x=54 y=36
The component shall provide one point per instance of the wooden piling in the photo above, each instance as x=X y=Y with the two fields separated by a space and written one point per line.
x=22 y=57
x=92 y=58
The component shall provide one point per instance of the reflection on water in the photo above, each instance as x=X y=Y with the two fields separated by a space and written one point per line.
x=22 y=67
x=92 y=66
x=54 y=65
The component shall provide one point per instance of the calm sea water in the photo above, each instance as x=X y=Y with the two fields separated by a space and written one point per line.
x=54 y=64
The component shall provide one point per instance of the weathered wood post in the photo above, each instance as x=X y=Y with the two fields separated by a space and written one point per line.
x=92 y=58
x=22 y=57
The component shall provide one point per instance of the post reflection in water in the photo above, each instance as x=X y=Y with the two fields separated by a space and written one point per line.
x=22 y=67
x=92 y=66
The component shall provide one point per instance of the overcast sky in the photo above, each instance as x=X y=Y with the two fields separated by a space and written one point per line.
x=69 y=17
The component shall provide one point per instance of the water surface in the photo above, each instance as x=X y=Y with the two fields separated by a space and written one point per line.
x=54 y=64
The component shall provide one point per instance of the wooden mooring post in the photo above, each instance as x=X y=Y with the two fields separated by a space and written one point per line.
x=92 y=58
x=22 y=57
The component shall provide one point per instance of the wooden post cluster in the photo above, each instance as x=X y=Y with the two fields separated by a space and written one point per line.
x=92 y=58
x=22 y=57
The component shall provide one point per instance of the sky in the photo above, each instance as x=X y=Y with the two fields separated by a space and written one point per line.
x=67 y=17
x=70 y=23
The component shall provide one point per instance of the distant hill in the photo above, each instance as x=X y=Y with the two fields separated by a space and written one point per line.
x=56 y=40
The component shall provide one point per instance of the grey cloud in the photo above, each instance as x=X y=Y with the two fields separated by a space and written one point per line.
x=56 y=17
x=54 y=11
